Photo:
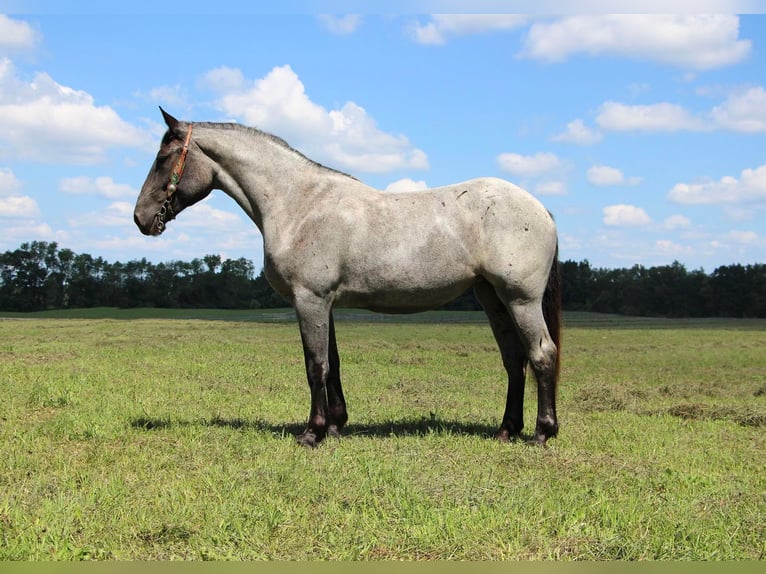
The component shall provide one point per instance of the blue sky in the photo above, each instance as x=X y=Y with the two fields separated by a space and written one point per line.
x=645 y=135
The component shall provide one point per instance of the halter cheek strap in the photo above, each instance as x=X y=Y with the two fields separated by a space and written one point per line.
x=166 y=213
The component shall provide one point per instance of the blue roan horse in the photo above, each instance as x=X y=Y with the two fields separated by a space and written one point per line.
x=329 y=240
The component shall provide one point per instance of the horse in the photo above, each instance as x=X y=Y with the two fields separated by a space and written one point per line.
x=330 y=240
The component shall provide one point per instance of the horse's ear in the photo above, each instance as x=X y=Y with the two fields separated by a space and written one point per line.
x=171 y=122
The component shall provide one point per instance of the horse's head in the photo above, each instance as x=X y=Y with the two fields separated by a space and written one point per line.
x=180 y=176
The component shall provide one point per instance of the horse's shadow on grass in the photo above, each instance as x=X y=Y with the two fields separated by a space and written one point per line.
x=415 y=426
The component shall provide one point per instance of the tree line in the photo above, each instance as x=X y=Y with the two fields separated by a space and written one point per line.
x=40 y=275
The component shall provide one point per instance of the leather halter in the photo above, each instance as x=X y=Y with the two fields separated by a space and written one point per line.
x=166 y=212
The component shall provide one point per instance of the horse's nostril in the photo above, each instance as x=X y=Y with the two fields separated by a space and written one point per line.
x=143 y=228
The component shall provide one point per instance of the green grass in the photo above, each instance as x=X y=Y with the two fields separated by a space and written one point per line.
x=124 y=436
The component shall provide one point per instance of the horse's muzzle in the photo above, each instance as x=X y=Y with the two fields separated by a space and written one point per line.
x=147 y=228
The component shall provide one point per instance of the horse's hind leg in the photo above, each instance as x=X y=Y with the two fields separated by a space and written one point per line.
x=335 y=402
x=514 y=358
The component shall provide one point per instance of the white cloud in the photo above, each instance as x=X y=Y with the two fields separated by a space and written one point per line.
x=12 y=204
x=340 y=25
x=578 y=133
x=661 y=117
x=676 y=222
x=750 y=187
x=552 y=187
x=9 y=183
x=697 y=42
x=116 y=214
x=137 y=243
x=18 y=207
x=223 y=79
x=529 y=165
x=44 y=121
x=206 y=218
x=202 y=218
x=167 y=96
x=743 y=111
x=16 y=232
x=625 y=216
x=16 y=35
x=277 y=102
x=667 y=248
x=742 y=212
x=745 y=237
x=102 y=186
x=406 y=184
x=605 y=175
x=690 y=41
x=182 y=242
x=442 y=27
x=543 y=171
x=347 y=137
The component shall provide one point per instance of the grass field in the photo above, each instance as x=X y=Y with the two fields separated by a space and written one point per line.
x=152 y=434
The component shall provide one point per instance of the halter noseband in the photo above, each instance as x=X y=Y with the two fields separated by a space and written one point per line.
x=166 y=212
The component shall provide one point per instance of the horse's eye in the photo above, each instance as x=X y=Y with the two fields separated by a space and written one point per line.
x=159 y=163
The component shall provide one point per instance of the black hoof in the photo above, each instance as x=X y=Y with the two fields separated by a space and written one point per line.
x=504 y=434
x=309 y=439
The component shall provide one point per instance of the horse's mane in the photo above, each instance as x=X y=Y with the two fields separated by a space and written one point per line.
x=271 y=137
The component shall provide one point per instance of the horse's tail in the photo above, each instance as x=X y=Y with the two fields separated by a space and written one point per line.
x=552 y=308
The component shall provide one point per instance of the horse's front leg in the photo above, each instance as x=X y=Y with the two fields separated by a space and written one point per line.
x=314 y=322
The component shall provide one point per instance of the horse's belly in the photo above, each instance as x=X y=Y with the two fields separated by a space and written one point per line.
x=403 y=285
x=409 y=298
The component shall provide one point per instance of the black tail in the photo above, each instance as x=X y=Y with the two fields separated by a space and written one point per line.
x=552 y=308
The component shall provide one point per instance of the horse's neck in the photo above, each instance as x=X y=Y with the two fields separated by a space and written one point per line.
x=260 y=174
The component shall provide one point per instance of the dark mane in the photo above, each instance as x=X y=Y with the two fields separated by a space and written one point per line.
x=274 y=139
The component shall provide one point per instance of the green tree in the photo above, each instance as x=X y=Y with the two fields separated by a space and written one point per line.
x=27 y=276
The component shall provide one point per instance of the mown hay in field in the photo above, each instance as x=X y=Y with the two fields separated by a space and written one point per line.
x=599 y=398
x=743 y=415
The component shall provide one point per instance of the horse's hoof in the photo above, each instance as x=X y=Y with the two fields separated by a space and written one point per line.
x=333 y=431
x=538 y=440
x=505 y=435
x=308 y=439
